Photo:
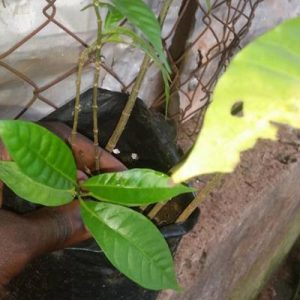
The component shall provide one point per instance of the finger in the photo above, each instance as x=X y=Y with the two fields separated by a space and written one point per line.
x=81 y=176
x=4 y=156
x=84 y=150
x=58 y=227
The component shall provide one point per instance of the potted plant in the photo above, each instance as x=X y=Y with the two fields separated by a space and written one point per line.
x=50 y=176
x=241 y=132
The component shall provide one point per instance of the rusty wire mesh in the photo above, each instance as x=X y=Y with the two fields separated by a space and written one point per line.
x=225 y=24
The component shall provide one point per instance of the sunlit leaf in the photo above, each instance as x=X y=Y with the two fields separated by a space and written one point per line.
x=264 y=80
x=39 y=154
x=31 y=190
x=133 y=187
x=132 y=244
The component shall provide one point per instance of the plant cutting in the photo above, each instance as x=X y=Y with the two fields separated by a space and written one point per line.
x=43 y=171
x=56 y=174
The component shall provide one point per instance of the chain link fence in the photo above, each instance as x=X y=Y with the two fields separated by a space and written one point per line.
x=199 y=45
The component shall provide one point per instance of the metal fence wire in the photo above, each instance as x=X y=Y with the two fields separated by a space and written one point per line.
x=199 y=46
x=206 y=53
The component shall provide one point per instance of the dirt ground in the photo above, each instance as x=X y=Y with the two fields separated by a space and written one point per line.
x=284 y=283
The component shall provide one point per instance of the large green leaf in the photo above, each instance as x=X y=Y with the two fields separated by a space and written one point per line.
x=133 y=187
x=112 y=18
x=31 y=190
x=264 y=80
x=39 y=154
x=141 y=16
x=131 y=243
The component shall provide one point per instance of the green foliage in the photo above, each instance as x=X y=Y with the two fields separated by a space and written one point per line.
x=31 y=190
x=44 y=172
x=134 y=187
x=127 y=36
x=113 y=18
x=139 y=15
x=264 y=80
x=141 y=18
x=39 y=154
x=131 y=243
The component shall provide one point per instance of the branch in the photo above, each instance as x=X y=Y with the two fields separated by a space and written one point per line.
x=135 y=90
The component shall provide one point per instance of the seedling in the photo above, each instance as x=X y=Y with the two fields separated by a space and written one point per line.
x=43 y=171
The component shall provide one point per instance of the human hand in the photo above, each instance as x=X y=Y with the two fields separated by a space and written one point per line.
x=24 y=237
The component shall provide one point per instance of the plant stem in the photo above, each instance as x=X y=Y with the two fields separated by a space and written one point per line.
x=135 y=90
x=84 y=56
x=128 y=107
x=164 y=11
x=95 y=86
x=154 y=211
x=82 y=60
x=213 y=183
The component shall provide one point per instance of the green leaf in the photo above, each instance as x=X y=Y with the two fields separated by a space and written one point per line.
x=131 y=243
x=39 y=154
x=133 y=187
x=31 y=190
x=114 y=35
x=264 y=80
x=113 y=17
x=141 y=16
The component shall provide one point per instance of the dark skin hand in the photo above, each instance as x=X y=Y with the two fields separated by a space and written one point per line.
x=24 y=237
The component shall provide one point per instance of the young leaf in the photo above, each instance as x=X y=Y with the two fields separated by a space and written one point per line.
x=133 y=187
x=115 y=35
x=264 y=79
x=31 y=190
x=39 y=154
x=141 y=16
x=113 y=17
x=132 y=244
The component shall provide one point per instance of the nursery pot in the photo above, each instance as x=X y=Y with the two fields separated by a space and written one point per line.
x=82 y=271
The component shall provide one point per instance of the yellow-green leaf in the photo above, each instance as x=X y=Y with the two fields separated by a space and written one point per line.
x=263 y=80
